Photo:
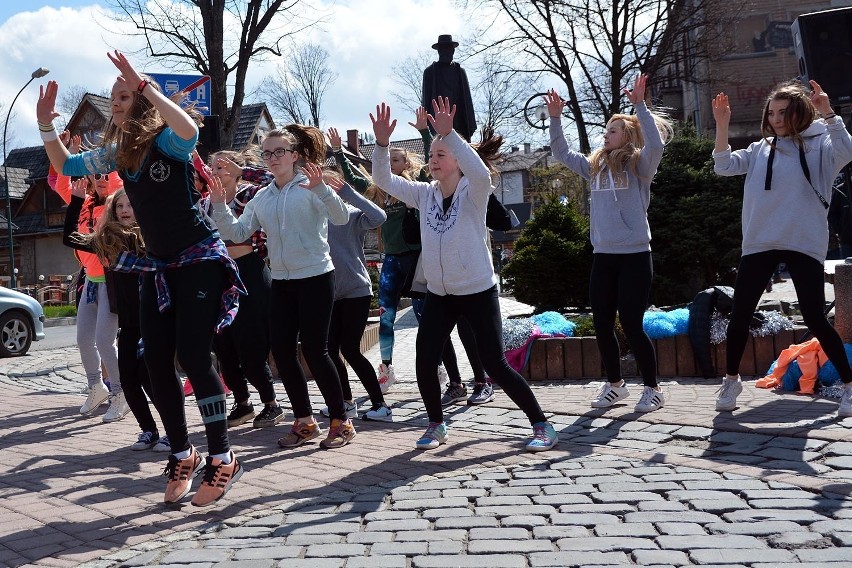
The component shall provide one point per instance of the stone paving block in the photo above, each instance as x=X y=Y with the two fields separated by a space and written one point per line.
x=399 y=525
x=839 y=449
x=196 y=555
x=470 y=561
x=438 y=503
x=341 y=550
x=681 y=477
x=739 y=437
x=467 y=492
x=273 y=552
x=369 y=537
x=518 y=473
x=390 y=515
x=619 y=479
x=606 y=544
x=541 y=482
x=503 y=500
x=832 y=526
x=563 y=531
x=655 y=437
x=446 y=547
x=740 y=555
x=718 y=505
x=606 y=508
x=562 y=499
x=407 y=548
x=746 y=515
x=526 y=521
x=439 y=513
x=509 y=546
x=801 y=539
x=813 y=503
x=670 y=516
x=625 y=496
x=725 y=484
x=386 y=561
x=679 y=528
x=627 y=529
x=842 y=538
x=436 y=484
x=245 y=532
x=661 y=506
x=465 y=522
x=696 y=494
x=777 y=494
x=577 y=558
x=634 y=445
x=655 y=486
x=561 y=489
x=797 y=465
x=499 y=534
x=789 y=454
x=254 y=563
x=840 y=462
x=529 y=490
x=406 y=494
x=719 y=541
x=494 y=475
x=312 y=562
x=504 y=510
x=693 y=433
x=755 y=528
x=583 y=519
x=417 y=536
x=318 y=528
x=670 y=557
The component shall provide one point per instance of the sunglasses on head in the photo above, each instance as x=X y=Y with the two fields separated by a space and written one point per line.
x=100 y=177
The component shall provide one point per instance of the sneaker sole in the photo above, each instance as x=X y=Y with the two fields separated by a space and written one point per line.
x=301 y=442
x=388 y=418
x=430 y=446
x=541 y=448
x=117 y=418
x=241 y=420
x=454 y=401
x=481 y=401
x=325 y=446
x=94 y=408
x=238 y=474
x=596 y=404
x=268 y=423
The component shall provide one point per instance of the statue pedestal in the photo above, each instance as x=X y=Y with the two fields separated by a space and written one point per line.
x=843 y=299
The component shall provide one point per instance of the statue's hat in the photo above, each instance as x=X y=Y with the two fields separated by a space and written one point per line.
x=445 y=39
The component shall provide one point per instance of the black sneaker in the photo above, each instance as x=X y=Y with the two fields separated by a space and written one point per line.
x=456 y=392
x=240 y=414
x=482 y=393
x=269 y=416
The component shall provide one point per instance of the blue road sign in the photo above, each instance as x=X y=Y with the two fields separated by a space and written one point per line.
x=197 y=88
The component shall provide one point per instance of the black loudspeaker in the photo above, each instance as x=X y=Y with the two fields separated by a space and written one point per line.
x=209 y=140
x=823 y=42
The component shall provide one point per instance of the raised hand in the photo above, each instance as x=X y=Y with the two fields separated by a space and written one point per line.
x=335 y=183
x=334 y=138
x=46 y=105
x=383 y=127
x=554 y=103
x=421 y=120
x=76 y=144
x=820 y=99
x=637 y=95
x=721 y=109
x=79 y=187
x=228 y=166
x=129 y=75
x=314 y=174
x=442 y=121
x=216 y=190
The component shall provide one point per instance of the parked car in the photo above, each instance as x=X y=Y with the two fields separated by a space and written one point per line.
x=21 y=322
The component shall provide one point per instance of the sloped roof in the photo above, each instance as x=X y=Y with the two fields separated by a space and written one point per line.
x=3 y=224
x=18 y=185
x=99 y=103
x=413 y=145
x=32 y=224
x=520 y=160
x=250 y=116
x=33 y=159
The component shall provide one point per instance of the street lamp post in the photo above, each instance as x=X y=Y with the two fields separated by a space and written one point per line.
x=37 y=74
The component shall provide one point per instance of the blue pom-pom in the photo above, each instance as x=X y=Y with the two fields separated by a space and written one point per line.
x=666 y=324
x=790 y=380
x=828 y=374
x=553 y=323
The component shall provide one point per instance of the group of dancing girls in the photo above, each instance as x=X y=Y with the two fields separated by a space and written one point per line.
x=192 y=283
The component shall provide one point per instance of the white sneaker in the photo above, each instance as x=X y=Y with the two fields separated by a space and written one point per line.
x=98 y=394
x=845 y=409
x=163 y=445
x=443 y=377
x=381 y=414
x=651 y=400
x=386 y=377
x=118 y=408
x=609 y=395
x=351 y=410
x=145 y=441
x=728 y=393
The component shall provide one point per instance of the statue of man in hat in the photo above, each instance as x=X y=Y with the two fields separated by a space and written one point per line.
x=446 y=78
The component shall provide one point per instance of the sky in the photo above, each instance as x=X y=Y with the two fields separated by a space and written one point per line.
x=365 y=38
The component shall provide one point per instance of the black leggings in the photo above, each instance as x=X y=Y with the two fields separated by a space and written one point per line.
x=186 y=329
x=243 y=347
x=300 y=311
x=808 y=278
x=622 y=283
x=134 y=377
x=449 y=357
x=482 y=310
x=348 y=321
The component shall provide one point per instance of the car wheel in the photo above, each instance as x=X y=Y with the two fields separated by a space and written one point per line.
x=16 y=334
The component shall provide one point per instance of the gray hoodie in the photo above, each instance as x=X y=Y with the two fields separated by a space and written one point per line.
x=790 y=216
x=456 y=258
x=346 y=242
x=619 y=209
x=295 y=220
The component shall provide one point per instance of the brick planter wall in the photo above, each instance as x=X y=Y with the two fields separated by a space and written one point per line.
x=578 y=357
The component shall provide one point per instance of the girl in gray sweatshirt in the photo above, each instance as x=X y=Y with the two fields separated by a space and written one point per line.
x=789 y=175
x=620 y=175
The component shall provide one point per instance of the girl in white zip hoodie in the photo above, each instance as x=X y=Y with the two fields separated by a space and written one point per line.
x=789 y=175
x=457 y=264
x=294 y=212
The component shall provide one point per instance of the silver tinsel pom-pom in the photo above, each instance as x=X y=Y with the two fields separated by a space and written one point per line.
x=832 y=391
x=516 y=332
x=773 y=323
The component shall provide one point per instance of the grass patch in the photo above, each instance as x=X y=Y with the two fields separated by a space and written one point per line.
x=60 y=311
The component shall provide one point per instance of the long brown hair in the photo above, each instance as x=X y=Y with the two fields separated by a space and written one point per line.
x=800 y=112
x=110 y=237
x=133 y=140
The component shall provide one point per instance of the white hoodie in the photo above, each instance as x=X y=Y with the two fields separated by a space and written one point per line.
x=456 y=258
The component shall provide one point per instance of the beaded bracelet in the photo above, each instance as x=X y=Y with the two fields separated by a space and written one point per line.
x=46 y=127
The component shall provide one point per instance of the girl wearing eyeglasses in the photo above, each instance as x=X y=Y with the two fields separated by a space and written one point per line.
x=97 y=324
x=294 y=211
x=190 y=285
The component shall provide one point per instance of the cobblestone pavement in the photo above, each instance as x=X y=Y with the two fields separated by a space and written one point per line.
x=764 y=486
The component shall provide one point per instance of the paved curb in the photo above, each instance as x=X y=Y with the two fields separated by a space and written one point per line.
x=54 y=322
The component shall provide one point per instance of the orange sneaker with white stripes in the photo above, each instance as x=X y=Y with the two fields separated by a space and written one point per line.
x=180 y=474
x=218 y=479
